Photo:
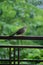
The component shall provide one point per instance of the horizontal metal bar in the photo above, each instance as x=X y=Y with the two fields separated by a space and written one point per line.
x=23 y=46
x=5 y=60
x=25 y=60
x=22 y=37
x=30 y=60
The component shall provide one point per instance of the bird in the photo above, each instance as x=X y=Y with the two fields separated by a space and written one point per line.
x=20 y=31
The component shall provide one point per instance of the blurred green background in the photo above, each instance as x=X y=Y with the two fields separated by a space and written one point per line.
x=14 y=14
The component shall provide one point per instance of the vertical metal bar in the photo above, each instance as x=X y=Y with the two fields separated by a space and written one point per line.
x=14 y=55
x=9 y=55
x=18 y=56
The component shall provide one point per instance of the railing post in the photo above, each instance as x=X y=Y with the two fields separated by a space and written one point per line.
x=18 y=56
x=10 y=55
x=14 y=55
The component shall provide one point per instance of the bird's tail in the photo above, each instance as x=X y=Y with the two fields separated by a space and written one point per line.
x=13 y=34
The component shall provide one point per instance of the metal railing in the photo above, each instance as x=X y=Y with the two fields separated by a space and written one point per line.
x=10 y=60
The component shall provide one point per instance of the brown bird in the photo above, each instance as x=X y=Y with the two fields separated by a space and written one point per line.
x=20 y=31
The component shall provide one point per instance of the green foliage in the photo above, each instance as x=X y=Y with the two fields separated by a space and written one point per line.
x=2 y=0
x=20 y=13
x=35 y=2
